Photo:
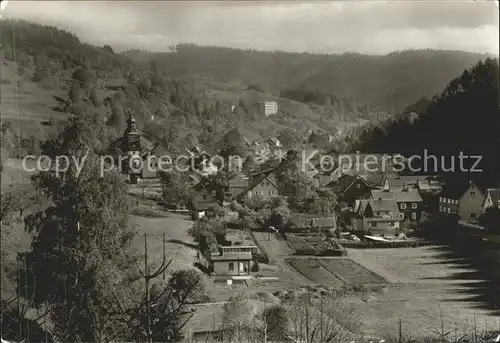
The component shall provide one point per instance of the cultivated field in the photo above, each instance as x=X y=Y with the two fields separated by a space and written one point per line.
x=336 y=271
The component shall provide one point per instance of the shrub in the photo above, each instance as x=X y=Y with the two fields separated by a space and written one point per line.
x=255 y=267
x=261 y=258
x=188 y=284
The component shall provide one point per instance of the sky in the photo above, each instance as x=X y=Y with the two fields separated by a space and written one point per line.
x=371 y=27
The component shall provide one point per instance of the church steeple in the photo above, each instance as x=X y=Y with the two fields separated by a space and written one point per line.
x=131 y=135
x=131 y=126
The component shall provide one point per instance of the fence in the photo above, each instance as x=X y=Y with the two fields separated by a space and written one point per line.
x=385 y=245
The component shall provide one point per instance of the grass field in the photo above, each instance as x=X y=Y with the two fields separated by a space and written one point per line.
x=423 y=284
x=26 y=99
x=179 y=245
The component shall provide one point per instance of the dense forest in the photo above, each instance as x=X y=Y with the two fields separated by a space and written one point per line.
x=389 y=82
x=464 y=118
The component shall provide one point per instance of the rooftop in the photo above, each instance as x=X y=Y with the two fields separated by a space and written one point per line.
x=323 y=222
x=410 y=195
x=233 y=256
x=383 y=205
x=494 y=193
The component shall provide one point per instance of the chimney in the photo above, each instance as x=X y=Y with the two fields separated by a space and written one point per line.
x=405 y=187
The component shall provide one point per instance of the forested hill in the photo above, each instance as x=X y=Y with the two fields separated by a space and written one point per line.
x=390 y=82
x=464 y=118
x=49 y=75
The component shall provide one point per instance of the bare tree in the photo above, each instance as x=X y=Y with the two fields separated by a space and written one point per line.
x=328 y=319
x=236 y=319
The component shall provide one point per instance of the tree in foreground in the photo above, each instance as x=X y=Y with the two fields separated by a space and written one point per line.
x=79 y=254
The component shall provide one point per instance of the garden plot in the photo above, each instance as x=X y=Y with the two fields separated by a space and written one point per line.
x=351 y=272
x=315 y=271
x=335 y=271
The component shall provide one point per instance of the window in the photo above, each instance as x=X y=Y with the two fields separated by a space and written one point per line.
x=472 y=193
x=401 y=216
x=473 y=215
x=374 y=224
x=414 y=205
x=231 y=266
x=441 y=208
x=448 y=210
x=403 y=206
x=358 y=186
x=204 y=197
x=440 y=199
x=414 y=216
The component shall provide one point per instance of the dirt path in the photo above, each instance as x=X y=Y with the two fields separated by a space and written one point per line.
x=277 y=251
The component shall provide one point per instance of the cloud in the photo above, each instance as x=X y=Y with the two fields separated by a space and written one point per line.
x=334 y=27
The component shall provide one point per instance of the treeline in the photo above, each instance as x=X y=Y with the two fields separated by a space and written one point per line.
x=463 y=119
x=336 y=106
x=47 y=45
x=389 y=82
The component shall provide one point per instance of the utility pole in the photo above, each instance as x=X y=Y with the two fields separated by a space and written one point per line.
x=148 y=276
x=321 y=319
x=198 y=234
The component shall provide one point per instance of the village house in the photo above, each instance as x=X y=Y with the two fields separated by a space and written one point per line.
x=464 y=200
x=349 y=188
x=231 y=264
x=263 y=185
x=408 y=200
x=237 y=187
x=377 y=217
x=492 y=198
x=203 y=197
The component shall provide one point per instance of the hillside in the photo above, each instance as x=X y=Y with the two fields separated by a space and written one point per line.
x=389 y=82
x=51 y=75
x=463 y=120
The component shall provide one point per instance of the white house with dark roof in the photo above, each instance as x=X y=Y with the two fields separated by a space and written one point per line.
x=464 y=200
x=232 y=263
x=379 y=217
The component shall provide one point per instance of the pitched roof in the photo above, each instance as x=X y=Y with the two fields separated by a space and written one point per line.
x=383 y=205
x=398 y=181
x=238 y=183
x=380 y=194
x=258 y=178
x=494 y=194
x=233 y=256
x=410 y=195
x=345 y=181
x=323 y=222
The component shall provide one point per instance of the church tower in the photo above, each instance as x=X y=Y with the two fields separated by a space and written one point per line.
x=132 y=137
x=132 y=145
